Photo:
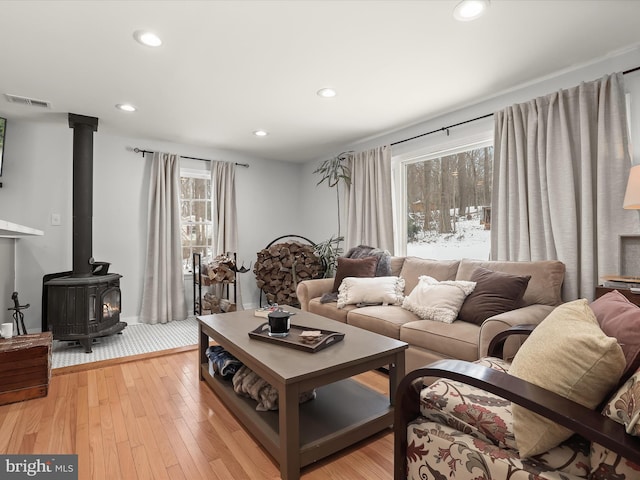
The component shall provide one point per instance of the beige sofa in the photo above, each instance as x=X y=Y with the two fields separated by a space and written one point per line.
x=431 y=340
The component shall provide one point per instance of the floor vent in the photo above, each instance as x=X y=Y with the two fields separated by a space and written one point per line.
x=27 y=101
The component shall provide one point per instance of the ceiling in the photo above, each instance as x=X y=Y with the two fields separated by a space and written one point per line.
x=228 y=68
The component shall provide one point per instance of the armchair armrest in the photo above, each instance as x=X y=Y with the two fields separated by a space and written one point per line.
x=588 y=423
x=531 y=314
x=496 y=347
x=308 y=289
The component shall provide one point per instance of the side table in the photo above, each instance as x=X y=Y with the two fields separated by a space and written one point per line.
x=25 y=367
x=633 y=297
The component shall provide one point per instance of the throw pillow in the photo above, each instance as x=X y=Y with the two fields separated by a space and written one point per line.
x=354 y=267
x=383 y=269
x=570 y=355
x=623 y=407
x=619 y=318
x=374 y=290
x=495 y=293
x=439 y=301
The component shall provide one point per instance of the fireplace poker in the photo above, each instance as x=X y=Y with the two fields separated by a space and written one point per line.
x=18 y=316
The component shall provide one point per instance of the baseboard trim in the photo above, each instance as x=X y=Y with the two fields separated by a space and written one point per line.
x=117 y=361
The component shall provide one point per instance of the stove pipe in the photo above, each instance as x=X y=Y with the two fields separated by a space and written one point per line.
x=83 y=128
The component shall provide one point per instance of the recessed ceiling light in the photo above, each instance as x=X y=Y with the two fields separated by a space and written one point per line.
x=260 y=133
x=147 y=38
x=126 y=107
x=327 y=92
x=468 y=10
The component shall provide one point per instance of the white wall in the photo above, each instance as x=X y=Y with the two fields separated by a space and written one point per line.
x=37 y=181
x=6 y=278
x=319 y=206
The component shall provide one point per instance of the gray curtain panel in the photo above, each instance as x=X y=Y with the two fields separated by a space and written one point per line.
x=369 y=209
x=163 y=296
x=225 y=216
x=561 y=164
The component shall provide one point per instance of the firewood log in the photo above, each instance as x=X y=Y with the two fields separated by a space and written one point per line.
x=279 y=268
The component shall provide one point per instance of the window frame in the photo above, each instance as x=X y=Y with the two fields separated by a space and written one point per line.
x=400 y=162
x=201 y=174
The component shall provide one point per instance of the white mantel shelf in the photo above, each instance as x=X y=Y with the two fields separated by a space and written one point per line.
x=13 y=230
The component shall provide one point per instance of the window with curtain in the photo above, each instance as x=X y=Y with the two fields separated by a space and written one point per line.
x=445 y=202
x=196 y=223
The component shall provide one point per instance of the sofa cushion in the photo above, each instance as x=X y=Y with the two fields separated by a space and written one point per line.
x=495 y=293
x=439 y=301
x=545 y=286
x=437 y=451
x=487 y=419
x=619 y=318
x=570 y=355
x=413 y=267
x=468 y=408
x=386 y=321
x=381 y=290
x=329 y=310
x=354 y=267
x=450 y=340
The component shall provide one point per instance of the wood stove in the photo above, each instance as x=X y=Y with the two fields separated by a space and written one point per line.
x=82 y=309
x=85 y=303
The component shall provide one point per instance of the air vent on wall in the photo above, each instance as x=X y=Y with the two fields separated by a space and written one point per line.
x=27 y=101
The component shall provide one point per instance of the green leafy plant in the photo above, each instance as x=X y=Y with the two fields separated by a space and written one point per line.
x=329 y=251
x=334 y=171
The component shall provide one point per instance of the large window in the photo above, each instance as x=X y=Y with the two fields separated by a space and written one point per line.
x=196 y=223
x=447 y=204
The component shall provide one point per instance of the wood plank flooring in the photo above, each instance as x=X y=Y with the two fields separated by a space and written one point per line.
x=153 y=419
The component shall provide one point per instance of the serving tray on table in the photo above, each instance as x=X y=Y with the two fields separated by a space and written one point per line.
x=293 y=340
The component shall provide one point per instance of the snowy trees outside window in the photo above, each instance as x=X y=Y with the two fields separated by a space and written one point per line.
x=195 y=210
x=449 y=205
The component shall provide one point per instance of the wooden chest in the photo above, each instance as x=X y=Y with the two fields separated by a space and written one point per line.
x=25 y=367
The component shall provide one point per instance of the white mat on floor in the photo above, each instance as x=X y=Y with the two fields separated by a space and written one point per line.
x=135 y=339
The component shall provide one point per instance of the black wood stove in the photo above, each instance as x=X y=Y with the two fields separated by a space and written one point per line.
x=84 y=303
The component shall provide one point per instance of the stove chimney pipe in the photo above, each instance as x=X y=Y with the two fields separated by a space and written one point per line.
x=83 y=128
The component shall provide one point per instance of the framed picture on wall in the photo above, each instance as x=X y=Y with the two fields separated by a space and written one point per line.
x=630 y=255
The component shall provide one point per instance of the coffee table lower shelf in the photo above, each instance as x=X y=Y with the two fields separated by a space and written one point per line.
x=342 y=413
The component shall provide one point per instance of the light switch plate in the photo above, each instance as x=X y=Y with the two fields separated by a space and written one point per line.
x=55 y=219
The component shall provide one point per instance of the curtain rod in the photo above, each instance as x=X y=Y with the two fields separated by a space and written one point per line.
x=443 y=129
x=446 y=129
x=139 y=150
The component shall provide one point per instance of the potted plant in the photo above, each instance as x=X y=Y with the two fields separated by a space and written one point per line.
x=333 y=171
x=328 y=252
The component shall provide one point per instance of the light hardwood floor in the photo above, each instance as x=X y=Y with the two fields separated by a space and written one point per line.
x=152 y=419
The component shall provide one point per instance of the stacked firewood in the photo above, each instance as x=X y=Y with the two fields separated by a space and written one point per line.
x=281 y=266
x=213 y=304
x=219 y=270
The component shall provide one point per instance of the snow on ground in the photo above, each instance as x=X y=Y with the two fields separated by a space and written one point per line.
x=470 y=240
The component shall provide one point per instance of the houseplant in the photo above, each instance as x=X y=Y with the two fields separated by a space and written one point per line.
x=333 y=171
x=328 y=251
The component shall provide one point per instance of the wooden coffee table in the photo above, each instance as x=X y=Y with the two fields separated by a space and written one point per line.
x=343 y=412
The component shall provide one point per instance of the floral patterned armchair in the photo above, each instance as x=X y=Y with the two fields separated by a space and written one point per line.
x=461 y=427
